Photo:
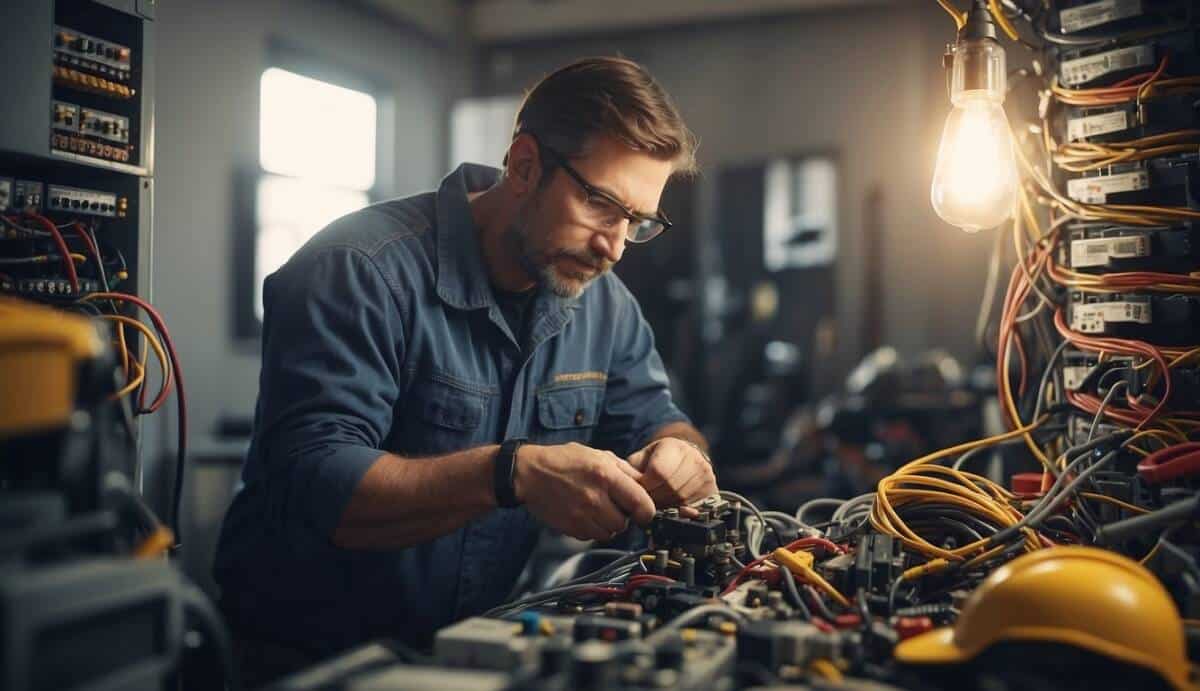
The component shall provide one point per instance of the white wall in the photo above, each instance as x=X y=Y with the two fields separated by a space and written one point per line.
x=211 y=54
x=863 y=82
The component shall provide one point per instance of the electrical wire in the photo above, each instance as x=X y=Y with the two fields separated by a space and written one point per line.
x=959 y=17
x=180 y=398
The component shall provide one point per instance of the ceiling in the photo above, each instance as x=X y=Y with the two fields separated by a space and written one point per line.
x=495 y=21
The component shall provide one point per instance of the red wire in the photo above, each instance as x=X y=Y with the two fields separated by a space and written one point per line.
x=797 y=544
x=1170 y=463
x=815 y=541
x=68 y=263
x=180 y=399
x=1123 y=347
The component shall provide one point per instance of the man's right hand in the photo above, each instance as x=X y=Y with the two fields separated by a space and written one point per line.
x=581 y=491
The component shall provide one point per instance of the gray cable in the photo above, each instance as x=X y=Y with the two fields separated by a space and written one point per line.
x=1104 y=404
x=844 y=510
x=1059 y=491
x=811 y=504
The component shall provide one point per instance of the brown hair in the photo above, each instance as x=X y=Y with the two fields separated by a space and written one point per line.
x=606 y=95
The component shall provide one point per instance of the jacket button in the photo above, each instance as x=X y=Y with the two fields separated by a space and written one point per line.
x=579 y=416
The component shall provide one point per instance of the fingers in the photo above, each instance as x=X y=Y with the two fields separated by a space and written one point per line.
x=664 y=468
x=700 y=485
x=606 y=515
x=628 y=469
x=676 y=474
x=630 y=497
x=588 y=528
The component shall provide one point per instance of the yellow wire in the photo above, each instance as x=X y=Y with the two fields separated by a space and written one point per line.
x=825 y=669
x=1001 y=20
x=1113 y=500
x=960 y=18
x=158 y=349
x=139 y=377
x=155 y=543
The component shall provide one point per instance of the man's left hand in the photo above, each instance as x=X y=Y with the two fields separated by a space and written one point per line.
x=674 y=472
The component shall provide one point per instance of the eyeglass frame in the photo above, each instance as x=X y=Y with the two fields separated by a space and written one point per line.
x=630 y=215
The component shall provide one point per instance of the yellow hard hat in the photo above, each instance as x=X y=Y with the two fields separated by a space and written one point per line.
x=1081 y=596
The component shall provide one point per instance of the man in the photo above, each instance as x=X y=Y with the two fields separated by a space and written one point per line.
x=444 y=374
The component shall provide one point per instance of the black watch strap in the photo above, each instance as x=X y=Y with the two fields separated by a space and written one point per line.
x=505 y=472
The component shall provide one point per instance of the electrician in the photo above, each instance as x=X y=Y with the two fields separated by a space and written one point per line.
x=445 y=374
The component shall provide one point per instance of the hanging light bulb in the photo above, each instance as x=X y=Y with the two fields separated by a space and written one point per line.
x=975 y=182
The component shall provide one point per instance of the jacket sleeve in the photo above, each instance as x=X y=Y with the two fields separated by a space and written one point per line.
x=333 y=351
x=637 y=401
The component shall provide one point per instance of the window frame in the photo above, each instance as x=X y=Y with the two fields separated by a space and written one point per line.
x=246 y=325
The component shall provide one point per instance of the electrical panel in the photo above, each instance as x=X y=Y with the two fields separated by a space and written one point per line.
x=76 y=168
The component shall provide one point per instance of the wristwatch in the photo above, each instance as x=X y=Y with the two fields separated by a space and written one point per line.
x=505 y=473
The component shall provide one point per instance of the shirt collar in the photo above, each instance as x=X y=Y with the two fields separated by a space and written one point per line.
x=462 y=276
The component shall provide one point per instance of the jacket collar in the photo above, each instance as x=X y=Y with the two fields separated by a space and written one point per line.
x=462 y=276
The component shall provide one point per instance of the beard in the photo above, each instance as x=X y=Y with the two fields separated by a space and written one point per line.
x=542 y=266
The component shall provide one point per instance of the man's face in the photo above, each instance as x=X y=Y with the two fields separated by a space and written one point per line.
x=565 y=242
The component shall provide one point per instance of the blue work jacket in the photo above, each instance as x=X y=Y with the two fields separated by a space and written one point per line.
x=383 y=334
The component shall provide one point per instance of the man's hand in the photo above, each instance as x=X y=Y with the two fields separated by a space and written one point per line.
x=577 y=490
x=674 y=472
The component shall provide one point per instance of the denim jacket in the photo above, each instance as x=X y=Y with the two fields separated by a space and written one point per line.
x=383 y=334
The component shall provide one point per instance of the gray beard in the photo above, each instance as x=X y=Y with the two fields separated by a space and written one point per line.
x=540 y=268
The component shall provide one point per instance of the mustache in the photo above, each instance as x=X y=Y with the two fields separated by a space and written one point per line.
x=600 y=264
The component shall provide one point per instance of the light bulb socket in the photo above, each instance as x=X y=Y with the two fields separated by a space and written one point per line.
x=979 y=24
x=978 y=65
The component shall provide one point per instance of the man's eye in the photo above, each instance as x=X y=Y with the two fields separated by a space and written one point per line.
x=604 y=211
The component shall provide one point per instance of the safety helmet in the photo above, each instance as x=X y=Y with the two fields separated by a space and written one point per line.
x=1081 y=596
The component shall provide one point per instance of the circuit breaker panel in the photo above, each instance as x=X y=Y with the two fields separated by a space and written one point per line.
x=76 y=165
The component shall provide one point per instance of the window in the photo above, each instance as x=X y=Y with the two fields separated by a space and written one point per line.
x=317 y=149
x=481 y=130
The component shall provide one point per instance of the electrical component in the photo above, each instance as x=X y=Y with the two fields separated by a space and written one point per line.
x=91 y=132
x=1155 y=114
x=479 y=643
x=1107 y=248
x=1088 y=16
x=76 y=200
x=26 y=195
x=1166 y=181
x=1172 y=319
x=878 y=561
x=92 y=55
x=1089 y=66
x=711 y=540
x=975 y=181
x=773 y=644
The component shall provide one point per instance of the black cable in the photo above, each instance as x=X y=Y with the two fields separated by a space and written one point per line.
x=213 y=627
x=819 y=604
x=793 y=593
x=1144 y=523
x=864 y=610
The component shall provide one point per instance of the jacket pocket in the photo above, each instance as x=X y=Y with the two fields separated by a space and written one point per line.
x=444 y=416
x=569 y=413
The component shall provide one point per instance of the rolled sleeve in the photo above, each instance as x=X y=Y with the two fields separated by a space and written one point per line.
x=333 y=349
x=637 y=401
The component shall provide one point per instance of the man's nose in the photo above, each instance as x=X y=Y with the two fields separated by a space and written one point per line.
x=610 y=243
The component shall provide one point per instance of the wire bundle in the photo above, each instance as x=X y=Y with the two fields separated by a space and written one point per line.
x=118 y=309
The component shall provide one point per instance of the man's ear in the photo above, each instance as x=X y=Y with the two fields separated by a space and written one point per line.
x=523 y=165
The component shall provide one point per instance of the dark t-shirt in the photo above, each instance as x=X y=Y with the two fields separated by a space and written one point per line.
x=516 y=308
